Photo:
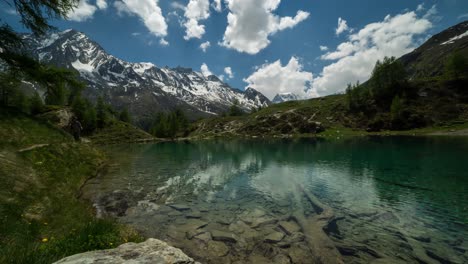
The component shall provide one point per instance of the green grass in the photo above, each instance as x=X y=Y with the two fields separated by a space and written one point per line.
x=41 y=217
x=119 y=132
x=445 y=107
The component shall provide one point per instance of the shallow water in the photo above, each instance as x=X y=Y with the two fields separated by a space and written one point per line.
x=393 y=199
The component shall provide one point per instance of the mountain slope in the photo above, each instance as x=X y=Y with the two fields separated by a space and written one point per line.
x=435 y=104
x=429 y=59
x=143 y=88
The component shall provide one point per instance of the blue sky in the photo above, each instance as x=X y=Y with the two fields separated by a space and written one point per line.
x=273 y=46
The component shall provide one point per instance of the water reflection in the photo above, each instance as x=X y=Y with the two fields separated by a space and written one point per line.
x=400 y=198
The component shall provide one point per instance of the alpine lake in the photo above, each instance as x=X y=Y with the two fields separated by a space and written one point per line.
x=357 y=200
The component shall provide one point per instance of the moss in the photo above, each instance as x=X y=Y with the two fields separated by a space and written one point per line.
x=41 y=217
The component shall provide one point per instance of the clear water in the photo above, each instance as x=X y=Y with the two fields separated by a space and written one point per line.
x=394 y=199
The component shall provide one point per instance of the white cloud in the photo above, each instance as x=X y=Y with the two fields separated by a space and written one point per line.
x=228 y=72
x=251 y=22
x=205 y=45
x=420 y=7
x=82 y=12
x=135 y=34
x=205 y=70
x=462 y=16
x=177 y=5
x=196 y=10
x=432 y=12
x=394 y=36
x=148 y=11
x=217 y=5
x=271 y=79
x=101 y=4
x=323 y=48
x=163 y=42
x=342 y=26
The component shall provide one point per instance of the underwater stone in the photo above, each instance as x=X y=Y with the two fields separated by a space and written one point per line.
x=223 y=236
x=274 y=237
x=289 y=227
x=179 y=207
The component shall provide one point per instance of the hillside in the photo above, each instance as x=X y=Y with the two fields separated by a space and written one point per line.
x=431 y=97
x=41 y=217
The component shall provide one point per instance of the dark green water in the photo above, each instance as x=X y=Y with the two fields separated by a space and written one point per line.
x=394 y=199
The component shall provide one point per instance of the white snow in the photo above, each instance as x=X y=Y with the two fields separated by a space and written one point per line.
x=82 y=67
x=141 y=67
x=452 y=40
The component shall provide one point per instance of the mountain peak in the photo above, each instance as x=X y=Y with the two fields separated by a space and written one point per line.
x=284 y=97
x=141 y=87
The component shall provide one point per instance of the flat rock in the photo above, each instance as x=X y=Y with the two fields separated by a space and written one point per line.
x=150 y=251
x=179 y=207
x=274 y=237
x=204 y=237
x=239 y=227
x=194 y=214
x=289 y=227
x=223 y=236
x=265 y=220
x=218 y=249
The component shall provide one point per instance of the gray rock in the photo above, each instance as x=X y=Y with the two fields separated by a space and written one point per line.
x=194 y=214
x=262 y=221
x=289 y=227
x=223 y=236
x=204 y=237
x=179 y=207
x=150 y=251
x=218 y=249
x=274 y=237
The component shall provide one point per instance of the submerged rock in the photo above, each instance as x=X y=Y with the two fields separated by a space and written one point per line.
x=223 y=236
x=179 y=207
x=274 y=237
x=150 y=251
x=289 y=227
x=219 y=249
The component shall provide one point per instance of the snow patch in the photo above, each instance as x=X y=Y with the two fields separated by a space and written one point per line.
x=452 y=40
x=82 y=67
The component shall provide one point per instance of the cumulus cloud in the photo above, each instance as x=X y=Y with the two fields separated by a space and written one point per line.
x=195 y=11
x=163 y=42
x=205 y=45
x=82 y=12
x=228 y=72
x=205 y=70
x=148 y=11
x=271 y=79
x=217 y=5
x=323 y=48
x=420 y=7
x=342 y=26
x=101 y=4
x=355 y=58
x=251 y=22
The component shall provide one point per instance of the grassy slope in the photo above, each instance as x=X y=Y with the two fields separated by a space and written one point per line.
x=41 y=218
x=120 y=132
x=332 y=113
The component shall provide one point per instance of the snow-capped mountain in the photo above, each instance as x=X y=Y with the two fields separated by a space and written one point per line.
x=284 y=97
x=143 y=88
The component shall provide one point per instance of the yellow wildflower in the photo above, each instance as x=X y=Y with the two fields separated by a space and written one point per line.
x=45 y=239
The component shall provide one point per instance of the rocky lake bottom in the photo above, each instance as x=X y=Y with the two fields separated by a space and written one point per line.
x=390 y=200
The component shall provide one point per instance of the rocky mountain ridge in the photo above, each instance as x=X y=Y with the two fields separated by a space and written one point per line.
x=143 y=88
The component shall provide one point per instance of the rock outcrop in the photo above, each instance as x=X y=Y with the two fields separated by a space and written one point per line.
x=151 y=251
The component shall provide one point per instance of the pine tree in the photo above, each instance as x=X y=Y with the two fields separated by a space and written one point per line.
x=456 y=66
x=36 y=105
x=125 y=116
x=101 y=112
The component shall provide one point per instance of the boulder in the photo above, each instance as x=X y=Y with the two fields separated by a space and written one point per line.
x=274 y=237
x=150 y=251
x=223 y=236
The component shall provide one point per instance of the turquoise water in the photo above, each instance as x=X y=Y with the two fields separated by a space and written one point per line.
x=394 y=199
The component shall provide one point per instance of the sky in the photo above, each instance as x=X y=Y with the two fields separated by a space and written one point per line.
x=308 y=47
